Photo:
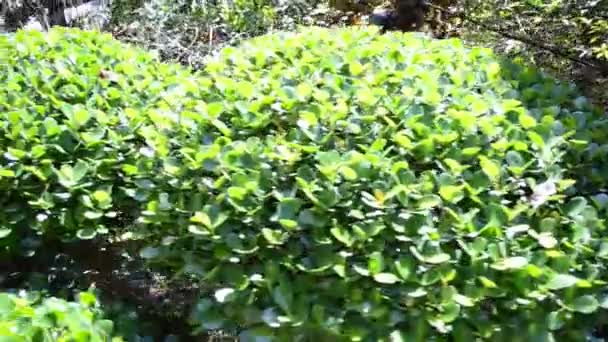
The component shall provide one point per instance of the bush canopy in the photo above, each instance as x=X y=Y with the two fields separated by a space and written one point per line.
x=29 y=316
x=327 y=183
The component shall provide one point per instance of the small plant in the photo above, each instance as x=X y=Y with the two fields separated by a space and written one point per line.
x=248 y=16
x=334 y=184
x=30 y=317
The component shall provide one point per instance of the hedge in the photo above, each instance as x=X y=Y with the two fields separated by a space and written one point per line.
x=335 y=184
x=29 y=316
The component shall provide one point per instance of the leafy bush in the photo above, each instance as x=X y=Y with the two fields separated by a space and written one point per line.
x=396 y=184
x=67 y=131
x=338 y=184
x=29 y=317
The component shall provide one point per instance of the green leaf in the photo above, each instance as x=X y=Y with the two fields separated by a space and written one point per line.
x=555 y=320
x=80 y=116
x=93 y=215
x=437 y=258
x=355 y=68
x=536 y=139
x=7 y=305
x=575 y=206
x=490 y=168
x=585 y=304
x=102 y=196
x=451 y=193
x=224 y=295
x=463 y=300
x=273 y=236
x=546 y=240
x=488 y=283
x=493 y=70
x=237 y=193
x=386 y=278
x=561 y=281
x=342 y=235
x=283 y=296
x=375 y=263
x=201 y=218
x=397 y=336
x=450 y=312
x=514 y=158
x=288 y=209
x=4 y=232
x=214 y=109
x=520 y=228
x=51 y=126
x=526 y=121
x=222 y=127
x=245 y=89
x=288 y=224
x=80 y=170
x=7 y=173
x=348 y=173
x=149 y=252
x=87 y=298
x=86 y=234
x=429 y=202
x=405 y=267
x=303 y=90
x=471 y=151
x=196 y=230
x=403 y=141
x=15 y=154
x=512 y=263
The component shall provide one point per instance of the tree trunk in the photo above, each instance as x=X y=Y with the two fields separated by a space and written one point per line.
x=410 y=14
x=406 y=15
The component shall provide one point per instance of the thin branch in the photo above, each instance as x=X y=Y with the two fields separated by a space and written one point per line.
x=194 y=40
x=601 y=66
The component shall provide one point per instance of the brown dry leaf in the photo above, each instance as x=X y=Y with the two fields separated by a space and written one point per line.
x=108 y=75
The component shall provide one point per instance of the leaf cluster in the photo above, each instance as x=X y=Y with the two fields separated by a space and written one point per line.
x=327 y=183
x=29 y=316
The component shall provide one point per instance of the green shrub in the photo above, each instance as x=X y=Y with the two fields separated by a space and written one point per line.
x=336 y=184
x=29 y=317
x=71 y=114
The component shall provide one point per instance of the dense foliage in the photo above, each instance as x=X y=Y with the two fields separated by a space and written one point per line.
x=64 y=114
x=329 y=183
x=566 y=37
x=32 y=317
x=403 y=184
